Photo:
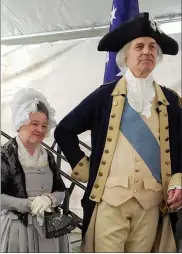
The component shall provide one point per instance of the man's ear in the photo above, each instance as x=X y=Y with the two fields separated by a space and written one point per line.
x=126 y=57
x=125 y=60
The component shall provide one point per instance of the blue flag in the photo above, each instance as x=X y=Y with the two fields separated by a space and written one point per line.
x=122 y=10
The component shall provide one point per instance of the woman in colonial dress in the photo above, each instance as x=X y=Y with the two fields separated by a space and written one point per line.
x=30 y=180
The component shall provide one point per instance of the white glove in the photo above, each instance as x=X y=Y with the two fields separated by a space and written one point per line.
x=41 y=204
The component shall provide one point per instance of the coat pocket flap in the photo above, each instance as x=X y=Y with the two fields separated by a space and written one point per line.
x=115 y=182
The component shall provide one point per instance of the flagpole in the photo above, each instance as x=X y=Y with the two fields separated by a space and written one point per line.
x=122 y=10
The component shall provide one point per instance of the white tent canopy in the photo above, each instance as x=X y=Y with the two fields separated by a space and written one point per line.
x=45 y=20
x=67 y=66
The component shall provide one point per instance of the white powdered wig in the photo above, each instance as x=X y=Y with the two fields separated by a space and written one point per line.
x=121 y=55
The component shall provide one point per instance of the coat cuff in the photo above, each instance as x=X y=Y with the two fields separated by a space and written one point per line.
x=176 y=180
x=175 y=187
x=81 y=170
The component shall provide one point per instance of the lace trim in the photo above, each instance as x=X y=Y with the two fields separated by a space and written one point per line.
x=52 y=198
x=140 y=93
x=142 y=106
x=25 y=102
x=38 y=160
x=22 y=115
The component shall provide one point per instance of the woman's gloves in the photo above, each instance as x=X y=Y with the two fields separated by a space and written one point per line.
x=40 y=204
x=45 y=202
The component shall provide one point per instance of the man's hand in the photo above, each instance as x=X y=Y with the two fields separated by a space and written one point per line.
x=174 y=198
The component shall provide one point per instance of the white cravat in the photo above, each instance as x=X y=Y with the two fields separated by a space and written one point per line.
x=140 y=92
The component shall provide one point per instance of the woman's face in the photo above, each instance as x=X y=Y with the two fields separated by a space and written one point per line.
x=35 y=131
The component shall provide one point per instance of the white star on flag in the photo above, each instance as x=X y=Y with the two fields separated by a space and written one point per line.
x=113 y=12
x=107 y=58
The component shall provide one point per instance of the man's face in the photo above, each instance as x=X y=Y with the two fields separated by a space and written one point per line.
x=141 y=56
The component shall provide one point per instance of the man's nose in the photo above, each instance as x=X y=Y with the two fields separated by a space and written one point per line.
x=146 y=50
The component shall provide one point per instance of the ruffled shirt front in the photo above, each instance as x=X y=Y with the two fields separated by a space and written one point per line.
x=140 y=92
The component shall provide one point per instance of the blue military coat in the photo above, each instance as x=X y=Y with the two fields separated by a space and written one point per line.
x=94 y=114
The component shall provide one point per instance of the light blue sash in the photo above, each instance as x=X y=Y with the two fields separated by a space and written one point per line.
x=142 y=139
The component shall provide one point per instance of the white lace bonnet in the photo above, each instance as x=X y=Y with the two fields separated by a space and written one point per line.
x=25 y=102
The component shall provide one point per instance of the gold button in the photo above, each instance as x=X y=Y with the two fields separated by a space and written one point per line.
x=115 y=103
x=110 y=128
x=103 y=162
x=164 y=101
x=167 y=150
x=96 y=185
x=137 y=159
x=109 y=139
x=165 y=113
x=167 y=127
x=81 y=164
x=100 y=174
x=76 y=173
x=168 y=174
x=92 y=197
x=113 y=115
x=135 y=191
x=136 y=181
x=136 y=170
x=106 y=151
x=166 y=139
x=168 y=163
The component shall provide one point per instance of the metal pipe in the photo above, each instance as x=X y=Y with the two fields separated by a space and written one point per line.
x=85 y=145
x=73 y=34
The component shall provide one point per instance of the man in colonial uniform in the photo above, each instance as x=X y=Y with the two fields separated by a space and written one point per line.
x=134 y=172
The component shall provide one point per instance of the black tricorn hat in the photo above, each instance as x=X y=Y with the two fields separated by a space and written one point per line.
x=142 y=25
